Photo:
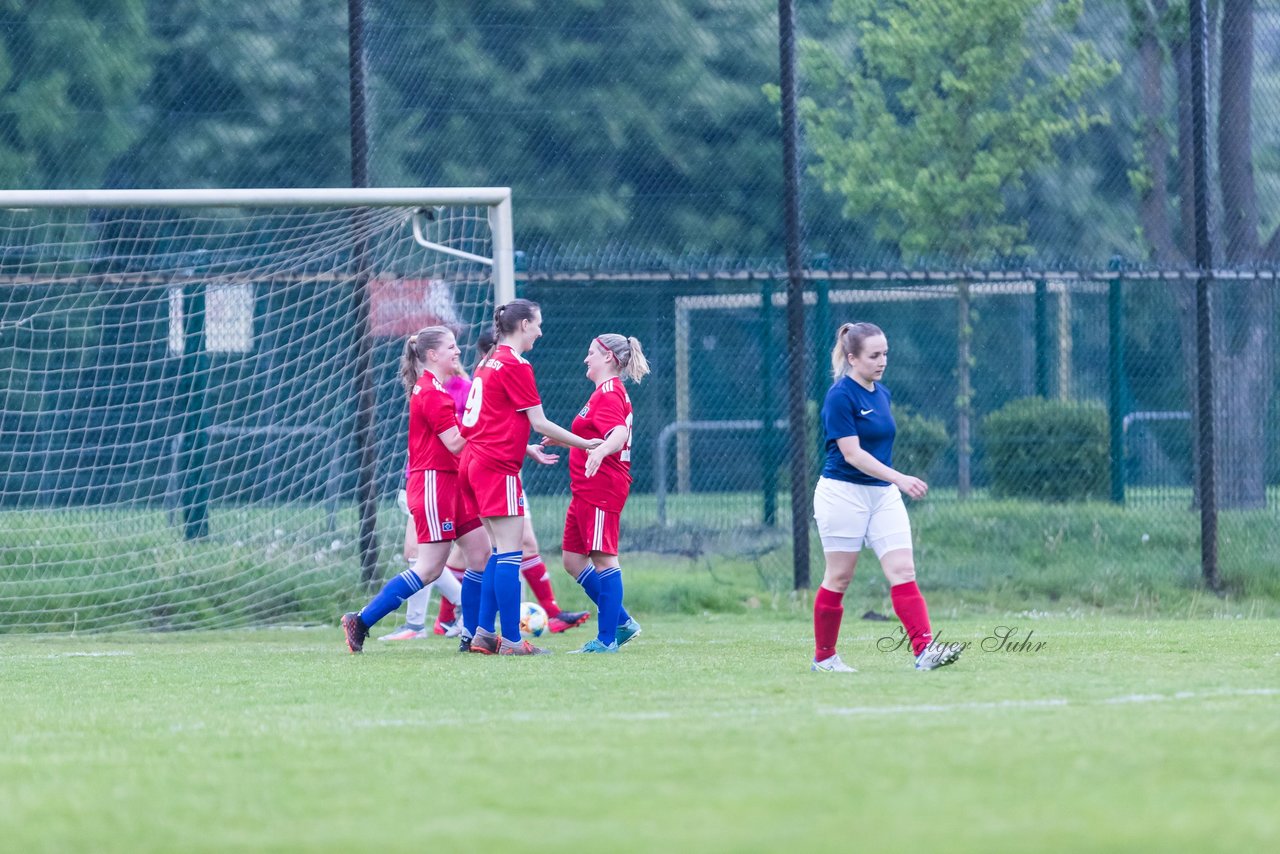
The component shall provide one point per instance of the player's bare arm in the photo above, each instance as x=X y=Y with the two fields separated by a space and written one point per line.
x=614 y=442
x=538 y=421
x=851 y=450
x=452 y=439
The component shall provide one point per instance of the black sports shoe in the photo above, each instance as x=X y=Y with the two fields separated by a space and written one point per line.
x=356 y=631
x=464 y=643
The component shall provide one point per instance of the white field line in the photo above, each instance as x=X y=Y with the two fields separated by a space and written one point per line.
x=559 y=717
x=1053 y=702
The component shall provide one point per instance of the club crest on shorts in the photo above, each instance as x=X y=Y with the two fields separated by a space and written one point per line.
x=582 y=413
x=447 y=526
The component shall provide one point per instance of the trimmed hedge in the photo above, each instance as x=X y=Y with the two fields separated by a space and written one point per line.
x=918 y=443
x=1048 y=450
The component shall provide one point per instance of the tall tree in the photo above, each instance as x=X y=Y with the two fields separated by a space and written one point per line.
x=246 y=93
x=1246 y=309
x=1243 y=311
x=72 y=75
x=621 y=126
x=932 y=119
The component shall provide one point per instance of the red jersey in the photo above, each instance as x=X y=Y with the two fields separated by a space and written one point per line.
x=431 y=413
x=608 y=408
x=495 y=424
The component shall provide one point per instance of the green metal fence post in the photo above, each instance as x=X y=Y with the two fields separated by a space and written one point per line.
x=1042 y=338
x=1116 y=397
x=768 y=407
x=820 y=355
x=192 y=384
x=821 y=332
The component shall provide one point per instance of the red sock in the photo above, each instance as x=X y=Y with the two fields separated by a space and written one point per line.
x=827 y=612
x=535 y=574
x=449 y=611
x=908 y=604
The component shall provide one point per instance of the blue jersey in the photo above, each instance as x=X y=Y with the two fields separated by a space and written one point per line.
x=851 y=410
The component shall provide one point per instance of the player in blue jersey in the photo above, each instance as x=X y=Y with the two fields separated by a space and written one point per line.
x=858 y=501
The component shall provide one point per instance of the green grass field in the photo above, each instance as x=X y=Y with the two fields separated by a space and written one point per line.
x=1149 y=718
x=707 y=733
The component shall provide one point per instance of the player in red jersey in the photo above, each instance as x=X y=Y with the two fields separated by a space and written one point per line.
x=450 y=581
x=430 y=357
x=502 y=406
x=600 y=481
x=532 y=569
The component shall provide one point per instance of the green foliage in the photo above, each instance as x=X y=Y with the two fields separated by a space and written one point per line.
x=72 y=79
x=648 y=117
x=919 y=442
x=1048 y=450
x=632 y=126
x=246 y=93
x=934 y=118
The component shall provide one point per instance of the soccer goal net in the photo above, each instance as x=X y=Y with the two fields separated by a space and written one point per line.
x=203 y=422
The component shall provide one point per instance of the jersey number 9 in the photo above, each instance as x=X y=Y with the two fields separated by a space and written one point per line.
x=474 y=398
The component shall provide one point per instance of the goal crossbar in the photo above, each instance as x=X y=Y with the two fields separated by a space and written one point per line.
x=261 y=197
x=497 y=199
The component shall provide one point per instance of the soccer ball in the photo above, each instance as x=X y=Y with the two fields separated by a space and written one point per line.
x=533 y=619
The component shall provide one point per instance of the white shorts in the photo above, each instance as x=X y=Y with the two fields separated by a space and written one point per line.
x=850 y=514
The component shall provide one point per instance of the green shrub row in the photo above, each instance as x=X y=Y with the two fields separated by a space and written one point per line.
x=1048 y=450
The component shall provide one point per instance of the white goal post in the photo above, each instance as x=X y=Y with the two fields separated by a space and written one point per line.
x=203 y=409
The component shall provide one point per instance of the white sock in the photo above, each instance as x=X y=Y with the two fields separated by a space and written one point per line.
x=449 y=586
x=415 y=607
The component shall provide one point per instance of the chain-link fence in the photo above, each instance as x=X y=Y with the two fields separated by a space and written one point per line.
x=1005 y=187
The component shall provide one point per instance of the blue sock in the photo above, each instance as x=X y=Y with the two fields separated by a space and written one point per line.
x=507 y=588
x=590 y=581
x=471 y=581
x=489 y=594
x=390 y=596
x=610 y=604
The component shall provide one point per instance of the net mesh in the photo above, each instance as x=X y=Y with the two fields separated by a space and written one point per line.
x=172 y=372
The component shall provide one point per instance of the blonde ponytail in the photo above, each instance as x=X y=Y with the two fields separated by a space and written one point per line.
x=409 y=364
x=414 y=356
x=628 y=353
